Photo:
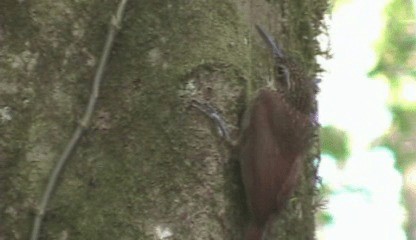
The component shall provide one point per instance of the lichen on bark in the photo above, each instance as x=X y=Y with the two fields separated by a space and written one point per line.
x=148 y=161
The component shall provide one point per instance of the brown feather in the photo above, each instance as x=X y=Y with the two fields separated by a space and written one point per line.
x=272 y=144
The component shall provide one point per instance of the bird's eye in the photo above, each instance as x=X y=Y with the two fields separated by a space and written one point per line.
x=283 y=76
x=280 y=70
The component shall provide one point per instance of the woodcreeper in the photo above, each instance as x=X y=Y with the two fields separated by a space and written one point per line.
x=276 y=133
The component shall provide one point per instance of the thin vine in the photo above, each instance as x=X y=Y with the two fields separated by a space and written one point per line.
x=114 y=27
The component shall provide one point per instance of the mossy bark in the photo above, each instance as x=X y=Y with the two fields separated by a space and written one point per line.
x=149 y=164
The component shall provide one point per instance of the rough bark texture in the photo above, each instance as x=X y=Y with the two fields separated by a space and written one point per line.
x=149 y=164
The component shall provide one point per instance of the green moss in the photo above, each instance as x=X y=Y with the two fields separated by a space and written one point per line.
x=148 y=159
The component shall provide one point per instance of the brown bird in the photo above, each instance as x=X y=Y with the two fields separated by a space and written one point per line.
x=275 y=135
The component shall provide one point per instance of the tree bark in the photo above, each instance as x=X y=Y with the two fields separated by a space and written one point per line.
x=149 y=166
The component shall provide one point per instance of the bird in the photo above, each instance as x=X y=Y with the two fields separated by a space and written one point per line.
x=275 y=136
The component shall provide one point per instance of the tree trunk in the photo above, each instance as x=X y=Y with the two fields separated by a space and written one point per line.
x=149 y=166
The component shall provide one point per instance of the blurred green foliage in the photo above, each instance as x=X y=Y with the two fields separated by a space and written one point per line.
x=400 y=140
x=325 y=218
x=396 y=49
x=397 y=63
x=338 y=3
x=335 y=143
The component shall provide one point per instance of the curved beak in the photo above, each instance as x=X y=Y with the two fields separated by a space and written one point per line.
x=277 y=51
